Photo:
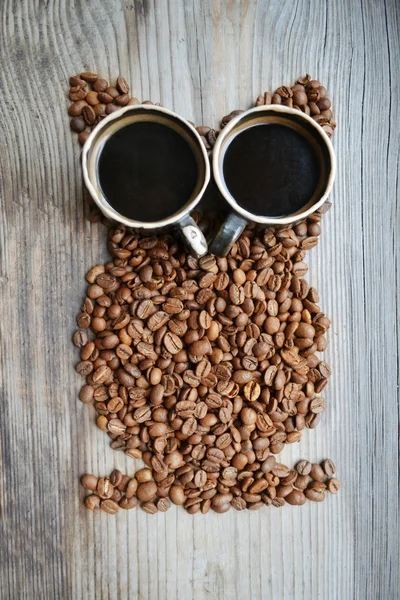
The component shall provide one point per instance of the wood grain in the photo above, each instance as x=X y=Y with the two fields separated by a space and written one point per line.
x=202 y=59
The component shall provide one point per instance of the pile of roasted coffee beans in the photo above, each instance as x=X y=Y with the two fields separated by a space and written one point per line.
x=277 y=486
x=307 y=95
x=206 y=368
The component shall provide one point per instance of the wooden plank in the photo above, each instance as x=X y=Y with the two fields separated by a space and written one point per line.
x=203 y=60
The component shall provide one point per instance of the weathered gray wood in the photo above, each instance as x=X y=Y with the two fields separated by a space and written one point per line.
x=202 y=59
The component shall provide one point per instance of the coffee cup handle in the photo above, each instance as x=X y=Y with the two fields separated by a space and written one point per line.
x=227 y=234
x=193 y=238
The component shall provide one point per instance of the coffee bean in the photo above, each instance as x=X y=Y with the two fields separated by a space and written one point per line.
x=146 y=491
x=142 y=414
x=312 y=420
x=89 y=77
x=303 y=481
x=264 y=99
x=131 y=487
x=102 y=423
x=105 y=98
x=329 y=467
x=109 y=506
x=296 y=498
x=200 y=478
x=207 y=280
x=280 y=470
x=100 y=85
x=77 y=82
x=122 y=85
x=177 y=495
x=110 y=108
x=99 y=109
x=333 y=485
x=80 y=338
x=75 y=110
x=221 y=508
x=145 y=309
x=84 y=368
x=305 y=331
x=205 y=320
x=116 y=477
x=92 y=98
x=89 y=482
x=77 y=93
x=101 y=374
x=317 y=472
x=86 y=394
x=122 y=100
x=163 y=504
x=150 y=508
x=300 y=98
x=172 y=343
x=242 y=376
x=143 y=475
x=98 y=324
x=157 y=320
x=248 y=416
x=258 y=486
x=105 y=489
x=128 y=503
x=83 y=136
x=252 y=391
x=77 y=124
x=282 y=491
x=173 y=306
x=92 y=502
x=236 y=294
x=324 y=369
x=220 y=500
x=200 y=348
x=88 y=114
x=314 y=495
x=112 y=91
x=272 y=325
x=303 y=467
x=317 y=405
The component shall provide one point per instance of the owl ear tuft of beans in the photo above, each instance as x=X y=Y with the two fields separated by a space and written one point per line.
x=204 y=369
x=93 y=99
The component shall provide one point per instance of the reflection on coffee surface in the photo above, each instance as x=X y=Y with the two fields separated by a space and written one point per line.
x=272 y=170
x=147 y=171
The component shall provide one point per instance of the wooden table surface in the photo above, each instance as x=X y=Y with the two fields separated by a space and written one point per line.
x=202 y=59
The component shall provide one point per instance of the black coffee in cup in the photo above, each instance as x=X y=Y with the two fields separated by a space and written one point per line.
x=147 y=171
x=273 y=170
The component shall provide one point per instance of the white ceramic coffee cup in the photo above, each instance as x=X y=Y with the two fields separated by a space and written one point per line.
x=180 y=220
x=239 y=217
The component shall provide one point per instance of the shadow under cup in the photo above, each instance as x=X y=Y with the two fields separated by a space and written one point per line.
x=274 y=165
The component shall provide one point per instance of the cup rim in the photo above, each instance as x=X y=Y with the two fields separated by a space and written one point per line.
x=228 y=196
x=106 y=208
